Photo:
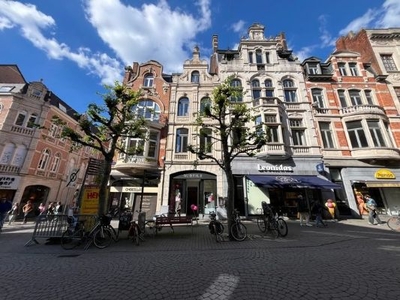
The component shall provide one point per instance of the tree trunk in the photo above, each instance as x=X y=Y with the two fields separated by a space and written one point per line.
x=103 y=190
x=231 y=199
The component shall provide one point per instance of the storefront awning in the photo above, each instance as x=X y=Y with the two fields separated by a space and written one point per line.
x=293 y=181
x=377 y=184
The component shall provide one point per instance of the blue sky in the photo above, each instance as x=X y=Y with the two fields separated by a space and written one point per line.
x=77 y=46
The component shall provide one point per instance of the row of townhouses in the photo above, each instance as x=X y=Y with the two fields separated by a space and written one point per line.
x=334 y=128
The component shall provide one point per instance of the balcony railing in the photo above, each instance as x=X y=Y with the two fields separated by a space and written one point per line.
x=9 y=169
x=22 y=130
x=362 y=109
x=267 y=101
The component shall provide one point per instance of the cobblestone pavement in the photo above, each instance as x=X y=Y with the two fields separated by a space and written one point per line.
x=346 y=260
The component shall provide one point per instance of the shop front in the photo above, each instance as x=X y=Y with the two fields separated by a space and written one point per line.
x=382 y=184
x=8 y=186
x=193 y=189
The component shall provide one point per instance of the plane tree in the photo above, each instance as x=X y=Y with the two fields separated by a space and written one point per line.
x=234 y=130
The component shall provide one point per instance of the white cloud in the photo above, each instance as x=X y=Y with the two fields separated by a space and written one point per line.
x=149 y=32
x=391 y=15
x=239 y=27
x=361 y=22
x=33 y=24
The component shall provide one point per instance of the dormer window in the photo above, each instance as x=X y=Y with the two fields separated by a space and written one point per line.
x=148 y=80
x=195 y=78
x=313 y=68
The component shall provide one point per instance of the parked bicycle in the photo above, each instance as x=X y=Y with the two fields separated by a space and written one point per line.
x=238 y=229
x=216 y=227
x=394 y=221
x=76 y=234
x=271 y=223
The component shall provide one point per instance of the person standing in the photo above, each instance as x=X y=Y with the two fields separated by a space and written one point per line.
x=372 y=213
x=58 y=209
x=331 y=206
x=5 y=207
x=302 y=208
x=361 y=204
x=41 y=208
x=14 y=213
x=318 y=209
x=28 y=207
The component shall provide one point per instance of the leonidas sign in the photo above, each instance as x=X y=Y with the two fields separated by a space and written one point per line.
x=9 y=182
x=276 y=168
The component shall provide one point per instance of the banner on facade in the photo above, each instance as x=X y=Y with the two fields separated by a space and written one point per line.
x=8 y=182
x=90 y=200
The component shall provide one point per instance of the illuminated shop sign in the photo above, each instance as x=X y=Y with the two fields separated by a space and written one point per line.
x=275 y=168
x=384 y=174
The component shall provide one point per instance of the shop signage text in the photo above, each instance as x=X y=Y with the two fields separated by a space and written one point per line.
x=275 y=168
x=384 y=174
x=129 y=189
x=9 y=182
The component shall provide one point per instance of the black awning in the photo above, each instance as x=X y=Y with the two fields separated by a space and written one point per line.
x=293 y=181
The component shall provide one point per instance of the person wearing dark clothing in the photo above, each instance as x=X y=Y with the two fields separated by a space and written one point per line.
x=318 y=209
x=5 y=207
x=302 y=208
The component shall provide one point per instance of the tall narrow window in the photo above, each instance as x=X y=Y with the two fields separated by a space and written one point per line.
x=181 y=140
x=355 y=97
x=289 y=90
x=318 y=98
x=376 y=133
x=238 y=84
x=148 y=80
x=259 y=60
x=204 y=103
x=256 y=90
x=273 y=136
x=153 y=141
x=7 y=155
x=250 y=57
x=53 y=132
x=353 y=69
x=342 y=69
x=20 y=118
x=356 y=134
x=326 y=134
x=269 y=89
x=32 y=120
x=195 y=78
x=342 y=98
x=298 y=137
x=44 y=159
x=388 y=62
x=19 y=156
x=206 y=140
x=55 y=163
x=368 y=96
x=183 y=107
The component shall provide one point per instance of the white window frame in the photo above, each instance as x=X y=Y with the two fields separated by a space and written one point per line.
x=44 y=159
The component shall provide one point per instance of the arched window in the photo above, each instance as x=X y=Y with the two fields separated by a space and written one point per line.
x=8 y=153
x=290 y=90
x=44 y=159
x=147 y=109
x=55 y=163
x=206 y=140
x=204 y=102
x=181 y=140
x=183 y=107
x=236 y=83
x=148 y=80
x=195 y=78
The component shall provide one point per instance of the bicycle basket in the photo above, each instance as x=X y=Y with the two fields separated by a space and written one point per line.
x=105 y=220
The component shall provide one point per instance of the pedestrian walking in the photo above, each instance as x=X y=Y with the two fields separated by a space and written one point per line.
x=372 y=212
x=58 y=208
x=28 y=207
x=5 y=207
x=41 y=208
x=13 y=213
x=318 y=209
x=302 y=208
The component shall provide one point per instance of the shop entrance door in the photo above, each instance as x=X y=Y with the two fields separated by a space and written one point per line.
x=192 y=194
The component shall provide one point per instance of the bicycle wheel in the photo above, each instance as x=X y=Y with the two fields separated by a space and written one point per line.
x=272 y=229
x=102 y=238
x=70 y=239
x=239 y=232
x=282 y=227
x=136 y=237
x=261 y=224
x=114 y=234
x=394 y=224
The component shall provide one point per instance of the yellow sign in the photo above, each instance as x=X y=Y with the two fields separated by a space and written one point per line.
x=90 y=200
x=384 y=174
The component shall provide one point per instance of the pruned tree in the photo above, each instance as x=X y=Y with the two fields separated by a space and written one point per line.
x=233 y=130
x=105 y=127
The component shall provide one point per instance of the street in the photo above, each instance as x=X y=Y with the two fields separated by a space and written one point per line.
x=346 y=260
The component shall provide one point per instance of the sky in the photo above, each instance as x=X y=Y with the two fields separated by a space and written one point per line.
x=78 y=46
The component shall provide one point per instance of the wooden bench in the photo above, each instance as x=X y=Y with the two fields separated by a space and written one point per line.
x=161 y=221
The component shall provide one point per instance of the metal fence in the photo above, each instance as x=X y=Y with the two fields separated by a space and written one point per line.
x=53 y=226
